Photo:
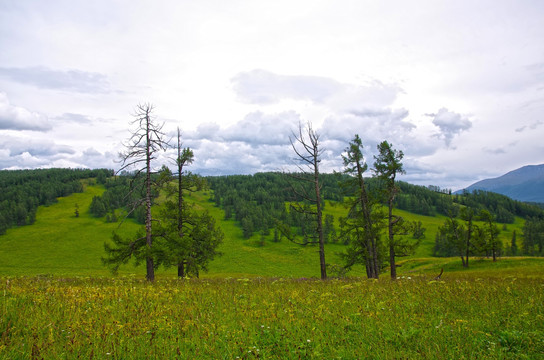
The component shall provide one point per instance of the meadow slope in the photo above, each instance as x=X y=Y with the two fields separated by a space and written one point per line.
x=61 y=244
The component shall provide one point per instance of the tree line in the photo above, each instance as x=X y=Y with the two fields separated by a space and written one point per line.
x=257 y=202
x=432 y=200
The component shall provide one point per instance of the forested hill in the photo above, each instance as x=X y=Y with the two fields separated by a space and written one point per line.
x=22 y=191
x=256 y=201
x=431 y=201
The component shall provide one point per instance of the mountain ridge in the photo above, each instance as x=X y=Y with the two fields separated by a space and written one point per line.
x=524 y=184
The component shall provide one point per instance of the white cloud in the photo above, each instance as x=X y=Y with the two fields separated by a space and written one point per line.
x=450 y=124
x=17 y=118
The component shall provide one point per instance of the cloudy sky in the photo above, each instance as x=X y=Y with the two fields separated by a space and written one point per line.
x=458 y=86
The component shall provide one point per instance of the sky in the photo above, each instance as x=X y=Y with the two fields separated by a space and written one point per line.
x=457 y=86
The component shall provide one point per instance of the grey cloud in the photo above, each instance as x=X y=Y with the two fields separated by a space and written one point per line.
x=532 y=126
x=207 y=131
x=258 y=142
x=91 y=152
x=69 y=80
x=257 y=128
x=20 y=153
x=536 y=73
x=76 y=118
x=496 y=151
x=17 y=118
x=450 y=124
x=264 y=87
x=40 y=148
x=22 y=161
x=94 y=159
x=24 y=153
x=372 y=126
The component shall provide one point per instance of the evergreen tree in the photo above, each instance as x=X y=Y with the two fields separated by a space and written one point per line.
x=491 y=231
x=363 y=224
x=189 y=238
x=387 y=165
x=514 y=245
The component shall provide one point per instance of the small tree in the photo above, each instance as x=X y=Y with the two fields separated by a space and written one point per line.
x=533 y=237
x=363 y=224
x=387 y=165
x=76 y=210
x=514 y=245
x=189 y=238
x=453 y=237
x=467 y=214
x=491 y=231
x=146 y=141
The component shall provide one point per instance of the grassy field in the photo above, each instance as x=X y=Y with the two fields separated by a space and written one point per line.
x=57 y=301
x=58 y=242
x=462 y=317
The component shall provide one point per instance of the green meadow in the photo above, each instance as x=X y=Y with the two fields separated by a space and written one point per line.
x=257 y=301
x=461 y=317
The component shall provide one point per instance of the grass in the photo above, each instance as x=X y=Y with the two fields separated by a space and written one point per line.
x=58 y=301
x=58 y=242
x=125 y=318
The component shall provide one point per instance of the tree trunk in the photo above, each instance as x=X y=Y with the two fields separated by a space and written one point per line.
x=322 y=262
x=181 y=270
x=392 y=262
x=376 y=268
x=392 y=243
x=150 y=270
x=372 y=253
x=469 y=233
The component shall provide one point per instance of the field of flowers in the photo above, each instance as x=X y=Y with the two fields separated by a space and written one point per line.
x=462 y=317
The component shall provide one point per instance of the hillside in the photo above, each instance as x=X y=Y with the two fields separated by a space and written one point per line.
x=58 y=243
x=523 y=184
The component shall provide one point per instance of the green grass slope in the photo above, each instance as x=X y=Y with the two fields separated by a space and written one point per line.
x=60 y=244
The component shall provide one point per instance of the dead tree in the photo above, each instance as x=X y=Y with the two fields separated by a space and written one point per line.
x=307 y=189
x=145 y=142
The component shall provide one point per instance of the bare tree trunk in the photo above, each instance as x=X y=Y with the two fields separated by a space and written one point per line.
x=150 y=270
x=309 y=156
x=181 y=266
x=322 y=262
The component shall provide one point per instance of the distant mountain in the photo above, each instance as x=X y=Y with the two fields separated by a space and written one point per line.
x=524 y=184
